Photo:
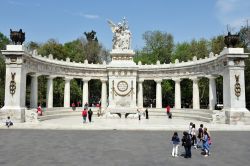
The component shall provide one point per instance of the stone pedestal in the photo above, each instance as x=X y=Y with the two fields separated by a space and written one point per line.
x=234 y=84
x=15 y=83
x=122 y=73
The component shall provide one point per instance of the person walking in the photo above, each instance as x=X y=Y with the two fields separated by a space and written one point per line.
x=176 y=141
x=84 y=115
x=206 y=142
x=193 y=136
x=169 y=114
x=139 y=114
x=73 y=106
x=146 y=113
x=186 y=142
x=90 y=113
x=200 y=136
x=86 y=106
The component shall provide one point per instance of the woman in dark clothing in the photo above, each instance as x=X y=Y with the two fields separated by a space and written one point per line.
x=186 y=142
x=146 y=112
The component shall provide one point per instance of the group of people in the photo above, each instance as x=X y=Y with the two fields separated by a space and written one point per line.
x=200 y=138
x=87 y=113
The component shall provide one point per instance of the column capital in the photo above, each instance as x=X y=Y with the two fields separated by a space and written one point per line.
x=158 y=80
x=51 y=77
x=177 y=79
x=35 y=75
x=140 y=80
x=195 y=79
x=211 y=76
x=68 y=78
x=86 y=79
x=104 y=79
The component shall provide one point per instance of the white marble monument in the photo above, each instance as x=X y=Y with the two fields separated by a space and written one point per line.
x=122 y=79
x=122 y=71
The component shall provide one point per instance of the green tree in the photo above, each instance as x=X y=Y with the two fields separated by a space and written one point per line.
x=54 y=48
x=158 y=45
x=32 y=45
x=3 y=42
x=75 y=50
x=217 y=44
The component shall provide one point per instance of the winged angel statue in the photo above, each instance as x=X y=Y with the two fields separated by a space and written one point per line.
x=122 y=35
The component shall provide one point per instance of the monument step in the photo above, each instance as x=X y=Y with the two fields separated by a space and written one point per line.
x=190 y=114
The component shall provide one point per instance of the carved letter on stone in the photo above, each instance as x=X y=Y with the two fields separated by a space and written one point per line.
x=12 y=84
x=237 y=88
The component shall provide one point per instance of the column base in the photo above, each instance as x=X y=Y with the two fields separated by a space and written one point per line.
x=237 y=116
x=17 y=114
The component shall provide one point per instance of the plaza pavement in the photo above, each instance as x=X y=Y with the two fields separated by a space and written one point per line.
x=102 y=123
x=115 y=148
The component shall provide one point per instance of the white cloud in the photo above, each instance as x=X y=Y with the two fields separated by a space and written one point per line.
x=233 y=12
x=15 y=3
x=87 y=16
x=91 y=16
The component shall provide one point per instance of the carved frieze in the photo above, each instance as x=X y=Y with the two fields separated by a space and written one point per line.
x=13 y=84
x=237 y=88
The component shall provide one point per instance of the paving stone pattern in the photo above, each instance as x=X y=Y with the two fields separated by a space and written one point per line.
x=114 y=148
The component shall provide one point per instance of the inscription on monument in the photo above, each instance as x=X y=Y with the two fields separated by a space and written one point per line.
x=122 y=86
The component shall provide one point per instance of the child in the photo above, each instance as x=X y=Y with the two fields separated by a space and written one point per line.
x=176 y=141
x=9 y=122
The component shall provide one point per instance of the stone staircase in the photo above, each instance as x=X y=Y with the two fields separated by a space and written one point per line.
x=61 y=112
x=200 y=115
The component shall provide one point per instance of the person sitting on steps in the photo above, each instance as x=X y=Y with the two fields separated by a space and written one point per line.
x=8 y=122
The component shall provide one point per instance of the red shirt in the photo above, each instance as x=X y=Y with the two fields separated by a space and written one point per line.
x=84 y=113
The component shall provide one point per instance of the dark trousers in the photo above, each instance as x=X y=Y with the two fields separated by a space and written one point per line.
x=139 y=117
x=8 y=124
x=188 y=151
x=90 y=118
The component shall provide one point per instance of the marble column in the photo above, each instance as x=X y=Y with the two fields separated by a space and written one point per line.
x=212 y=92
x=196 y=96
x=34 y=91
x=177 y=93
x=140 y=94
x=104 y=93
x=85 y=91
x=49 y=96
x=67 y=91
x=158 y=93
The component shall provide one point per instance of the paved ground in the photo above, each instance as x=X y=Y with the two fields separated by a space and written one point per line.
x=114 y=148
x=154 y=123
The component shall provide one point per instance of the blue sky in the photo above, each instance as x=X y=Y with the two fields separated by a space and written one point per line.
x=66 y=20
